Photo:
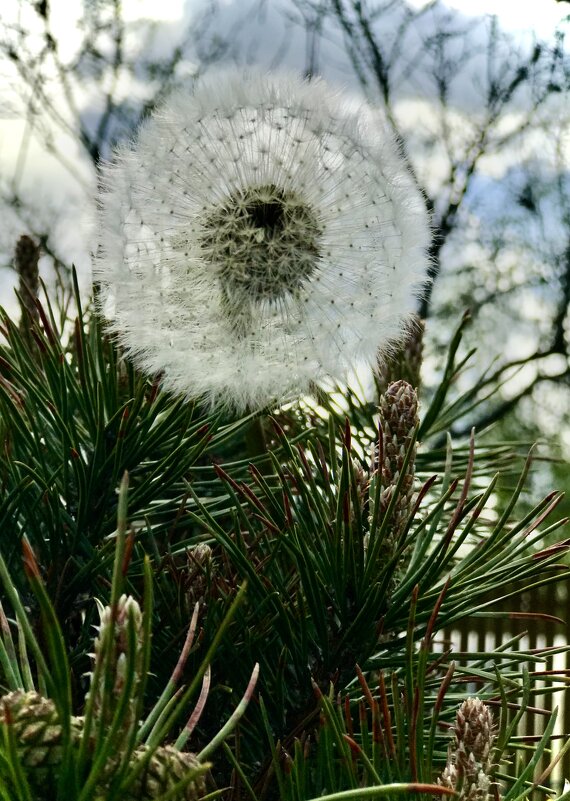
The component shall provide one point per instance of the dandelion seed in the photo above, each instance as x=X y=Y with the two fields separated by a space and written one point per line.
x=260 y=235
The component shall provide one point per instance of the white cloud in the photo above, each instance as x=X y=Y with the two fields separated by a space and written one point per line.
x=516 y=15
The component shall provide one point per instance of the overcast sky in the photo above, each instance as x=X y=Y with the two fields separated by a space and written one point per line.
x=540 y=15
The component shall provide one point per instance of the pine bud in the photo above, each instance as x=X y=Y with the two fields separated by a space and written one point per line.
x=398 y=419
x=474 y=731
x=26 y=263
x=469 y=756
x=37 y=731
x=199 y=570
x=118 y=660
x=405 y=363
x=36 y=726
x=166 y=767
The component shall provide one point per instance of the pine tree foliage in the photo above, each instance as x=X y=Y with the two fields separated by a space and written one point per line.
x=113 y=749
x=331 y=541
x=75 y=416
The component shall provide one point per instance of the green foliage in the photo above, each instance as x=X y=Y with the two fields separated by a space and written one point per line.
x=74 y=416
x=300 y=507
x=395 y=735
x=105 y=754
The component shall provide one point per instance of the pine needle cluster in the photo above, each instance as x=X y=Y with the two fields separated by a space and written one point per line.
x=333 y=555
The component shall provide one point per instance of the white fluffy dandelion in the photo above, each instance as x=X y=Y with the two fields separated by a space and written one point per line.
x=262 y=233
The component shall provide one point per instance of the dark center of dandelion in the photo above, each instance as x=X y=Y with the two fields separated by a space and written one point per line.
x=269 y=216
x=264 y=243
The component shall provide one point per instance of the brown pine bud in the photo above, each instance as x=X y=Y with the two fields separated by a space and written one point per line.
x=469 y=757
x=406 y=362
x=398 y=420
x=200 y=567
x=398 y=413
x=26 y=260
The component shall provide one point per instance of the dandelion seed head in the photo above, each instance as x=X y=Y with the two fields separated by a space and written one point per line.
x=260 y=234
x=263 y=241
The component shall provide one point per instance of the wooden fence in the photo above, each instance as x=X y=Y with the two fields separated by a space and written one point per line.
x=543 y=637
